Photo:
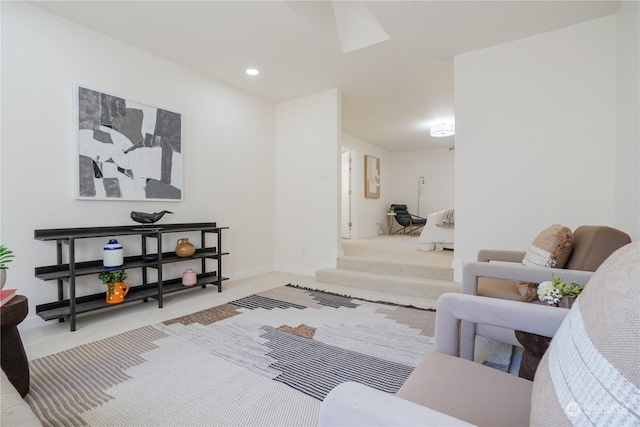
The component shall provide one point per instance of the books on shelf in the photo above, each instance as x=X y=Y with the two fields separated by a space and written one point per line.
x=6 y=295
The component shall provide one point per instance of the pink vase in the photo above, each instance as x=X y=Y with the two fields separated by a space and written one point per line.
x=189 y=278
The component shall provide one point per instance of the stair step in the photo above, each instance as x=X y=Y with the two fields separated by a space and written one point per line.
x=396 y=268
x=388 y=283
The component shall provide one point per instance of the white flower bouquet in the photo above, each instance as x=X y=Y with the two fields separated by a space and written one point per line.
x=552 y=291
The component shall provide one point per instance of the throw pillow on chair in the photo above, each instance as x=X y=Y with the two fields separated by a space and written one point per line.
x=550 y=249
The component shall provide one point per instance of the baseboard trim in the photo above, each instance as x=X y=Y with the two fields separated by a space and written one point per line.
x=293 y=270
x=251 y=273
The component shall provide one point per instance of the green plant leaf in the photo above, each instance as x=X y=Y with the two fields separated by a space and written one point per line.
x=113 y=276
x=6 y=256
x=572 y=289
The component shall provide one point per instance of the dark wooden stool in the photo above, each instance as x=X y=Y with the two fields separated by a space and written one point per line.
x=534 y=348
x=13 y=359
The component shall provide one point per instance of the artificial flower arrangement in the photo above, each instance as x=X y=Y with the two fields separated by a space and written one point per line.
x=552 y=291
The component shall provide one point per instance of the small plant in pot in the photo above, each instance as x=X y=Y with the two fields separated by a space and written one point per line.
x=5 y=257
x=116 y=288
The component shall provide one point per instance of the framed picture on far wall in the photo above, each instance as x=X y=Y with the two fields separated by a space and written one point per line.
x=126 y=150
x=371 y=177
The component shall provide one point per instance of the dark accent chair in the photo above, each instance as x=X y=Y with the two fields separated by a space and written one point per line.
x=409 y=222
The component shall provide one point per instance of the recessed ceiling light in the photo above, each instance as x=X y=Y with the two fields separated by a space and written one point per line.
x=252 y=71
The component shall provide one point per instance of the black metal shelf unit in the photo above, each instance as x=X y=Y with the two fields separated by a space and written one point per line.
x=69 y=307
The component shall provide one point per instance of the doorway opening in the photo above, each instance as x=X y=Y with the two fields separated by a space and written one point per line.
x=347 y=161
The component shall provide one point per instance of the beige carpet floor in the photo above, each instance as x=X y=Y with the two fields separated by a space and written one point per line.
x=402 y=249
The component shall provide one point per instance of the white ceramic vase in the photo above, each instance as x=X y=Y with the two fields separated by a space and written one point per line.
x=113 y=254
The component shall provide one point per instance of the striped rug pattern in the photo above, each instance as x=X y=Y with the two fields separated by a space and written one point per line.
x=315 y=368
x=267 y=359
x=65 y=384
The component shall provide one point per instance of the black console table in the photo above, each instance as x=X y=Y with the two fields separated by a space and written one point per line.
x=69 y=307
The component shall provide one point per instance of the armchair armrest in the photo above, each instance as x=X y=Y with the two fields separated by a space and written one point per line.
x=452 y=308
x=353 y=404
x=471 y=271
x=486 y=255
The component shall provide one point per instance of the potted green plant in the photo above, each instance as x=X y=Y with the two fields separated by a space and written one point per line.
x=5 y=257
x=116 y=288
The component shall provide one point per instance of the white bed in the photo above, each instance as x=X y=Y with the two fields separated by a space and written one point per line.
x=434 y=237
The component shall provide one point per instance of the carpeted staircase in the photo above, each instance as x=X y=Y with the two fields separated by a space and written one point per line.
x=413 y=275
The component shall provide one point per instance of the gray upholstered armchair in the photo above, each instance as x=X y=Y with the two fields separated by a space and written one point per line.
x=591 y=245
x=589 y=376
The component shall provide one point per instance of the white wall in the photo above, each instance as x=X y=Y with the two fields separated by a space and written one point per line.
x=437 y=166
x=228 y=139
x=307 y=162
x=366 y=213
x=627 y=194
x=535 y=136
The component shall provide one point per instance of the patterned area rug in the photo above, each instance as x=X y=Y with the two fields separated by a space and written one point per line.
x=267 y=359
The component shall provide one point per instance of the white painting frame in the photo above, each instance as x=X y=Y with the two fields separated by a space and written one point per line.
x=126 y=149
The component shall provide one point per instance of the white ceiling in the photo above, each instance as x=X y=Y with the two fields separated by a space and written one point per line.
x=392 y=90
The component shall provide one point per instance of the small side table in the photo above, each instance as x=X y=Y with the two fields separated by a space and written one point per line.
x=534 y=347
x=390 y=217
x=13 y=359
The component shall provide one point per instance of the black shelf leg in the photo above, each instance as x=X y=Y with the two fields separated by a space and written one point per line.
x=203 y=261
x=219 y=249
x=59 y=281
x=72 y=285
x=160 y=287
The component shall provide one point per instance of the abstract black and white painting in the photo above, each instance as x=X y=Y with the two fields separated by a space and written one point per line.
x=127 y=150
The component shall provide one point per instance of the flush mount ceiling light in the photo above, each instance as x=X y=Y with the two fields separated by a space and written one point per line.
x=443 y=129
x=252 y=71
